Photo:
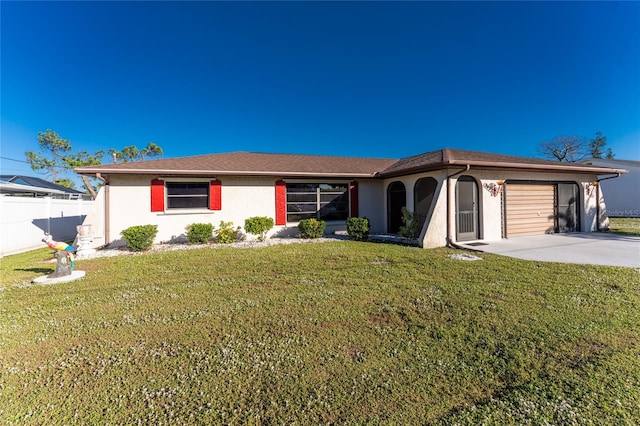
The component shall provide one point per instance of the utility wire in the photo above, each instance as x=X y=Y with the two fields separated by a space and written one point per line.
x=13 y=159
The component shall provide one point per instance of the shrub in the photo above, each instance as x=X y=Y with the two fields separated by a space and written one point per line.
x=258 y=225
x=199 y=233
x=358 y=228
x=411 y=228
x=140 y=237
x=226 y=234
x=311 y=228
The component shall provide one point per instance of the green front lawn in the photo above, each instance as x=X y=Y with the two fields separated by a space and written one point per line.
x=625 y=226
x=344 y=333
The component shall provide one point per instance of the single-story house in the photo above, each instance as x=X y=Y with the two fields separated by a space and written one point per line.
x=29 y=186
x=458 y=196
x=623 y=194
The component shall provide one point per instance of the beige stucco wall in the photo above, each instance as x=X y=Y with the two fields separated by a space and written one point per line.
x=96 y=218
x=244 y=197
x=130 y=201
x=434 y=234
x=372 y=204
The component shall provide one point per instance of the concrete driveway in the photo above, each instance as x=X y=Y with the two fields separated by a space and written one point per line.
x=589 y=248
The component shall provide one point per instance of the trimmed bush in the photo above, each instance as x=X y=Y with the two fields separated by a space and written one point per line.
x=226 y=234
x=140 y=237
x=258 y=225
x=199 y=233
x=358 y=228
x=311 y=228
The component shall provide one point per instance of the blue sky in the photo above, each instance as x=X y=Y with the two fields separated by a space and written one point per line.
x=375 y=79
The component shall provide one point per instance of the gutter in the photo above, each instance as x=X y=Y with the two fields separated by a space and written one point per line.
x=598 y=198
x=107 y=221
x=449 y=224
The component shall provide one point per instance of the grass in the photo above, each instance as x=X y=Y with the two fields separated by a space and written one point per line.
x=625 y=226
x=342 y=333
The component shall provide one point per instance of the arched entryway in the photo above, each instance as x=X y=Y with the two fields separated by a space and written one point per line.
x=396 y=200
x=466 y=209
x=423 y=194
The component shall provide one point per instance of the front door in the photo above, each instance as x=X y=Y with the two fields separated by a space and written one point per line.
x=466 y=209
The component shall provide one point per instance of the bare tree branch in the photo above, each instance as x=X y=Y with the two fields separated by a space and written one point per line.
x=564 y=148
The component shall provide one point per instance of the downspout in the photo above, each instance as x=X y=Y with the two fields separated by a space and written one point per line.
x=449 y=224
x=598 y=199
x=107 y=238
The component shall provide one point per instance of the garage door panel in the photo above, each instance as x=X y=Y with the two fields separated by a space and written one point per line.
x=530 y=209
x=532 y=200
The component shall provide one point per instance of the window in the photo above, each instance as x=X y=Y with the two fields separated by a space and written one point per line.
x=322 y=201
x=187 y=195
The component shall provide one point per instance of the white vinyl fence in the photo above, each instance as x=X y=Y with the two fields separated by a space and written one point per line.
x=24 y=221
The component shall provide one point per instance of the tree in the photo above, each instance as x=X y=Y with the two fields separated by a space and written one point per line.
x=56 y=157
x=131 y=153
x=564 y=148
x=597 y=144
x=610 y=155
x=66 y=182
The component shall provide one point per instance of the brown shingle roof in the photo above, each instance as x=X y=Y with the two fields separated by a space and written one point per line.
x=250 y=164
x=295 y=165
x=447 y=157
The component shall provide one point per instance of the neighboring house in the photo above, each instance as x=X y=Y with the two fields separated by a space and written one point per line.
x=30 y=186
x=459 y=196
x=31 y=207
x=623 y=194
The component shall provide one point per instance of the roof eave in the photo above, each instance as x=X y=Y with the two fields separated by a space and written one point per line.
x=166 y=172
x=403 y=172
x=541 y=167
x=508 y=166
x=16 y=187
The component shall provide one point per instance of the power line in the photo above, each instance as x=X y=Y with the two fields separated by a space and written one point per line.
x=13 y=159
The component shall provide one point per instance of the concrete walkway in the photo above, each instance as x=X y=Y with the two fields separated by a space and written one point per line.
x=589 y=248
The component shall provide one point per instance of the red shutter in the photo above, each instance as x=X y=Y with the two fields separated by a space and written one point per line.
x=353 y=198
x=215 y=195
x=157 y=195
x=281 y=203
